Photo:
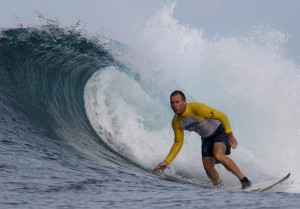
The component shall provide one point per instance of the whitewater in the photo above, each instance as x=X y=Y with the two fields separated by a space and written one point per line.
x=85 y=118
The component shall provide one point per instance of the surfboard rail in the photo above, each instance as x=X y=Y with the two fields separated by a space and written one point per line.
x=264 y=186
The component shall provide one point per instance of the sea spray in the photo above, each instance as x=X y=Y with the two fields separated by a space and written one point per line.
x=250 y=78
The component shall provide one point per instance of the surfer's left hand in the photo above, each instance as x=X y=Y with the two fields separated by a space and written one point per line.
x=232 y=140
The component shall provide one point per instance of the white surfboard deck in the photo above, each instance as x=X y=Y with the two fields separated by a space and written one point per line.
x=264 y=186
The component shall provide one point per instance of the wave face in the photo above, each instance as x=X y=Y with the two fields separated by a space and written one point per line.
x=43 y=74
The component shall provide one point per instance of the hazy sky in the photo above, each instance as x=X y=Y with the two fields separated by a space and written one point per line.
x=123 y=17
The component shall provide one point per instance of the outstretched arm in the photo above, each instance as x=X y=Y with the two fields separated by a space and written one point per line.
x=178 y=142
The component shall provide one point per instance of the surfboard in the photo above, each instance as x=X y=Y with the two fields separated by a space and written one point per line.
x=264 y=186
x=258 y=187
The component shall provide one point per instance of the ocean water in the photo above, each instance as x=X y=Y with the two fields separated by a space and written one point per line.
x=84 y=119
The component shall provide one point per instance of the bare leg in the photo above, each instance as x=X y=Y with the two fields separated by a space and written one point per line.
x=229 y=164
x=209 y=166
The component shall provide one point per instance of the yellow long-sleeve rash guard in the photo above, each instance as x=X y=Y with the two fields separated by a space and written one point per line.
x=197 y=117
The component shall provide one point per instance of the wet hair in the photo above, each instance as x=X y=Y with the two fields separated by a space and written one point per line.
x=177 y=92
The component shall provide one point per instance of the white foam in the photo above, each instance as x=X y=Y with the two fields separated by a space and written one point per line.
x=125 y=117
x=249 y=78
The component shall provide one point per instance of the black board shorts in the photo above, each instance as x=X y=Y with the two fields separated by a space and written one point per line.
x=218 y=136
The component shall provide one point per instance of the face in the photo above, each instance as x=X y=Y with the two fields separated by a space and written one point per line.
x=178 y=104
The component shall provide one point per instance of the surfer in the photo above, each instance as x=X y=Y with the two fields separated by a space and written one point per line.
x=217 y=138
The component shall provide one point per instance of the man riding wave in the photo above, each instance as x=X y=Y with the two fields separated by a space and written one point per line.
x=217 y=138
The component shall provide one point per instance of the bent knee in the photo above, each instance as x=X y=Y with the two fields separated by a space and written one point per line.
x=219 y=157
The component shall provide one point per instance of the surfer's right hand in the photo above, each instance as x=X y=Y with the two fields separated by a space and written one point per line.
x=161 y=166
